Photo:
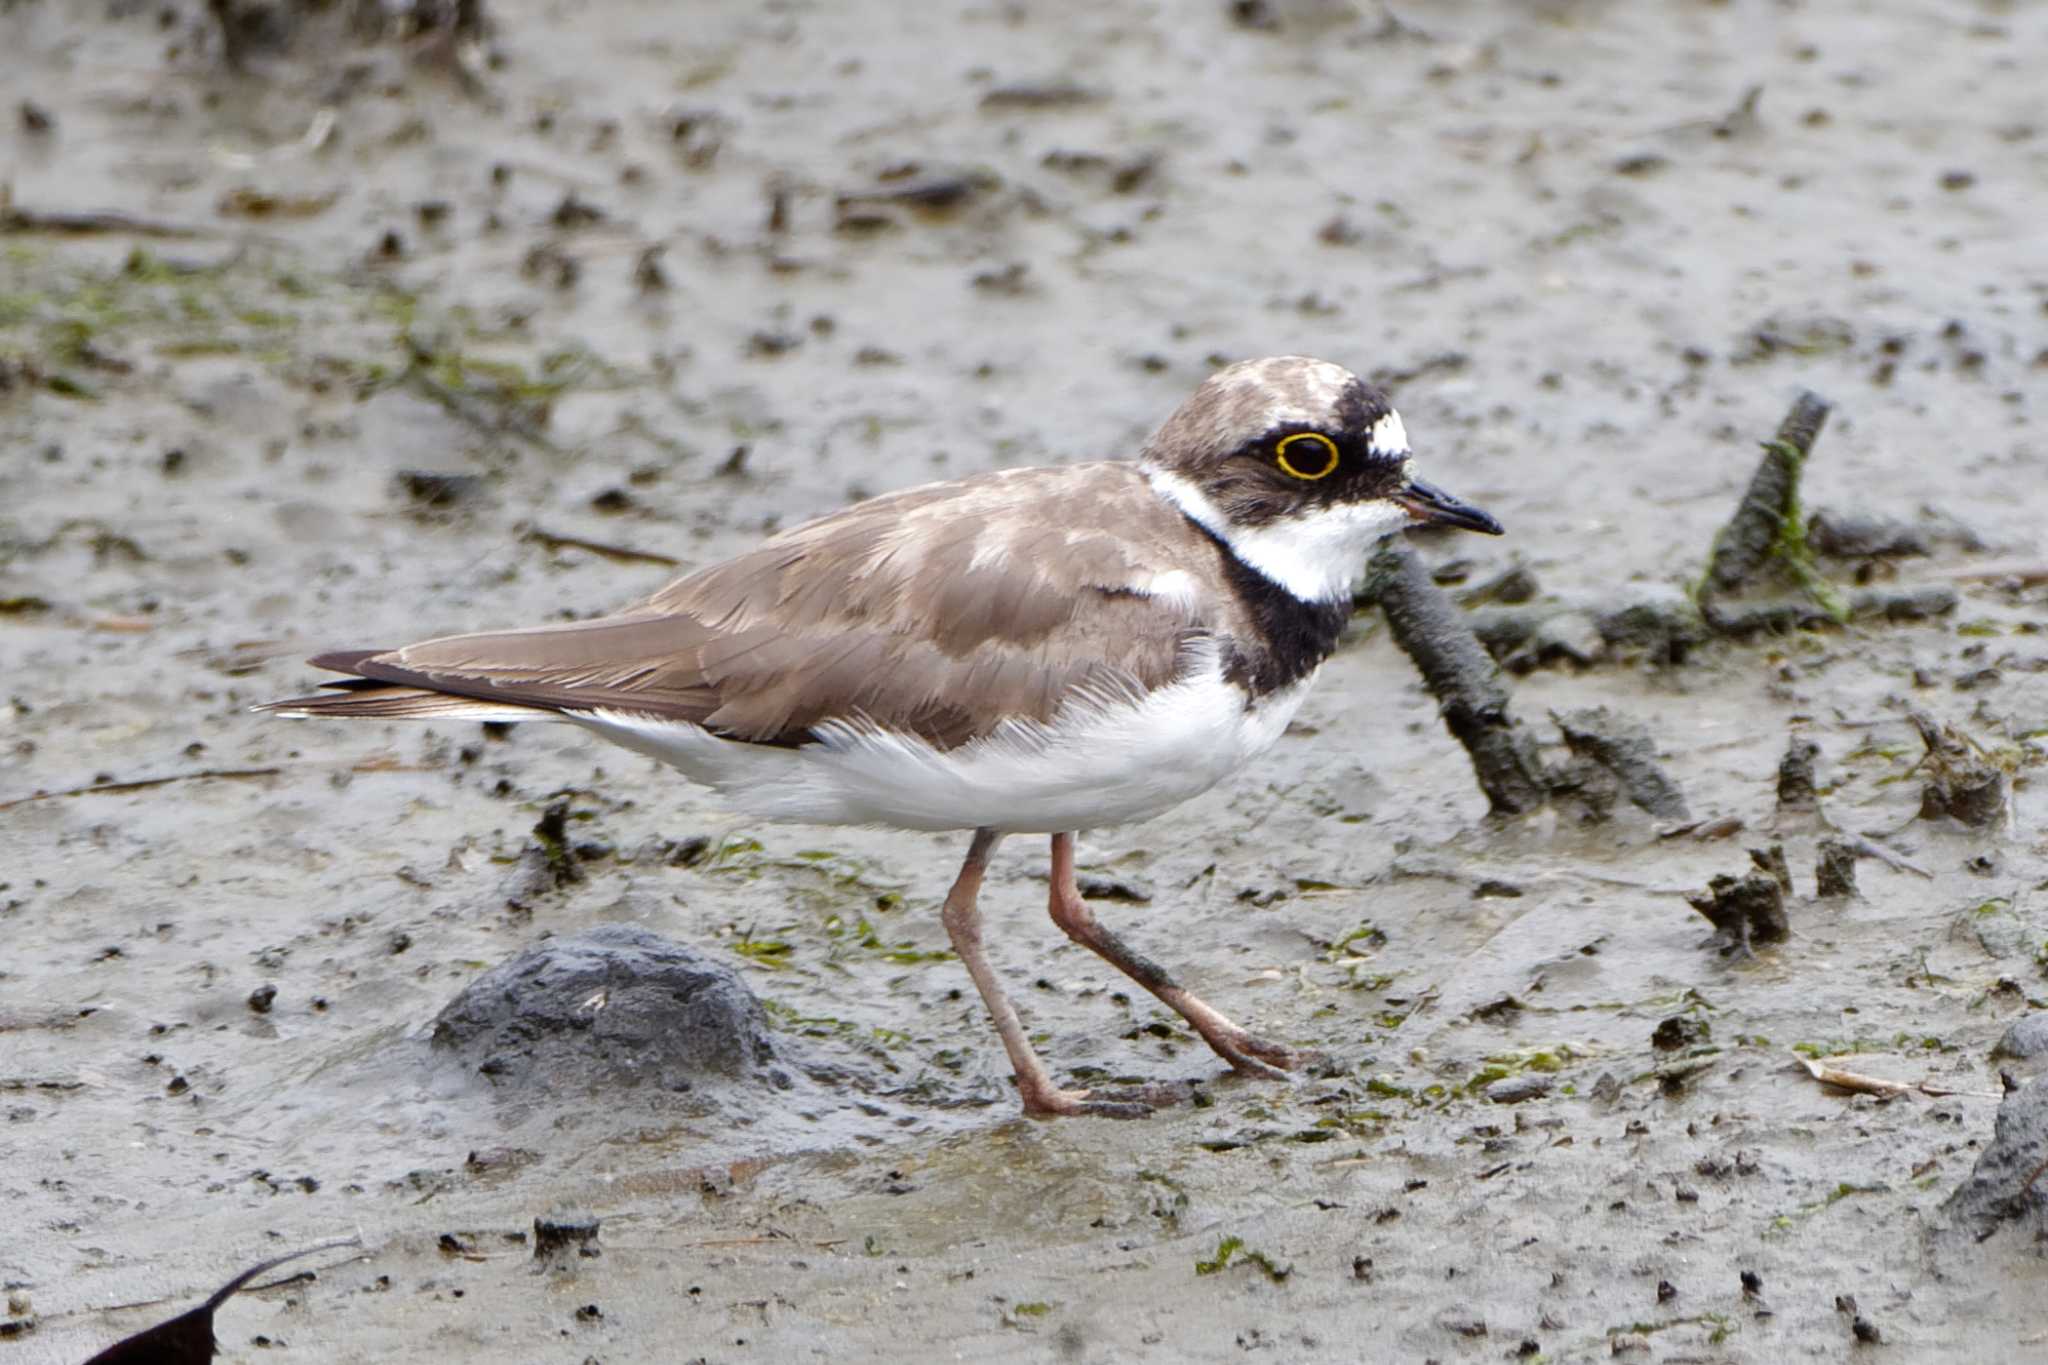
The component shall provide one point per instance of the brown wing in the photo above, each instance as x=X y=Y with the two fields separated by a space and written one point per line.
x=940 y=610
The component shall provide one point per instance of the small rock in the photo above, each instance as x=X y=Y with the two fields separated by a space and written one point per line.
x=1516 y=1089
x=566 y=1234
x=573 y=212
x=1511 y=587
x=1095 y=887
x=2002 y=1187
x=429 y=489
x=1254 y=14
x=1571 y=636
x=1921 y=603
x=262 y=997
x=1660 y=621
x=2025 y=1037
x=608 y=1007
x=1012 y=280
x=1847 y=536
x=1804 y=336
x=1680 y=1030
x=498 y=1160
x=1461 y=1322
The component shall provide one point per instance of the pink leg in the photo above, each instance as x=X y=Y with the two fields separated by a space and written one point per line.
x=962 y=918
x=1247 y=1052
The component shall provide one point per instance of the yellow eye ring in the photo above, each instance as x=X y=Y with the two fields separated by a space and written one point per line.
x=1316 y=440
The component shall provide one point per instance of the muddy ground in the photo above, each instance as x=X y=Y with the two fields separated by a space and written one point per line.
x=397 y=333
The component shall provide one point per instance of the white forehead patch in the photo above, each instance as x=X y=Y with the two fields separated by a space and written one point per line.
x=1288 y=390
x=1388 y=436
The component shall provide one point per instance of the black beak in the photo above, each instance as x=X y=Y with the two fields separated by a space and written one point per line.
x=1431 y=506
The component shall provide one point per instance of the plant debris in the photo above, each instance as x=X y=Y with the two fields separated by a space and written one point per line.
x=1745 y=910
x=1962 y=784
x=1834 y=874
x=1234 y=1248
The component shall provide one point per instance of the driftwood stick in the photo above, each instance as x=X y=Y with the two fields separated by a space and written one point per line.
x=1771 y=504
x=139 y=784
x=1461 y=676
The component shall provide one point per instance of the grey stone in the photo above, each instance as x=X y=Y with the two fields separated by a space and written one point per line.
x=1573 y=636
x=2002 y=1187
x=1655 y=618
x=609 y=1007
x=1515 y=1089
x=2027 y=1037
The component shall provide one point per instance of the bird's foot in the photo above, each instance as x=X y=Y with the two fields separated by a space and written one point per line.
x=1127 y=1102
x=1060 y=1104
x=1251 y=1055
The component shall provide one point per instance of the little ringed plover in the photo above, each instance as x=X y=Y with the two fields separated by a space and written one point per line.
x=1029 y=651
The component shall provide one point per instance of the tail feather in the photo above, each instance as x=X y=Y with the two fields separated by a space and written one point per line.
x=370 y=699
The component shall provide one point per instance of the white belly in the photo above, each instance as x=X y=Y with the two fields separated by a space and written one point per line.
x=1097 y=763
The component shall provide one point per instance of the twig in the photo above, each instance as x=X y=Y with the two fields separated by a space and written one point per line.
x=1870 y=848
x=84 y=224
x=1461 y=676
x=623 y=554
x=139 y=784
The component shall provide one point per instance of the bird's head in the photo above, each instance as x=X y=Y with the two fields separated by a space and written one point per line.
x=1300 y=467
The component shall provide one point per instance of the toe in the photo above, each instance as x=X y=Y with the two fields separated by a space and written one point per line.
x=1248 y=1065
x=1080 y=1104
x=1256 y=1056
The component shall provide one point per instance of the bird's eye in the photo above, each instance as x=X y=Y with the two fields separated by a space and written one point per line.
x=1307 y=455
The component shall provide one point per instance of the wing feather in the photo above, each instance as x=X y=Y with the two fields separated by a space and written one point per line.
x=943 y=611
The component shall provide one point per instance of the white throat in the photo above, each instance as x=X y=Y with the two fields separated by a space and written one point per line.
x=1316 y=556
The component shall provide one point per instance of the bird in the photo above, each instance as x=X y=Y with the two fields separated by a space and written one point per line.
x=1029 y=651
